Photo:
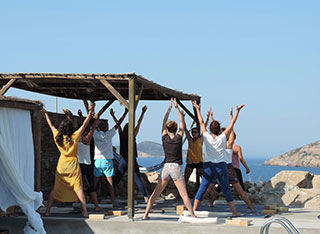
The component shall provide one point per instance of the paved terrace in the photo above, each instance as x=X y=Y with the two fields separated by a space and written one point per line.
x=163 y=219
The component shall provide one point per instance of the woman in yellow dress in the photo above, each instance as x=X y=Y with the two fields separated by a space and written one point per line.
x=68 y=184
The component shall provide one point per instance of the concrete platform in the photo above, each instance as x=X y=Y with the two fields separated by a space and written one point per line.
x=163 y=219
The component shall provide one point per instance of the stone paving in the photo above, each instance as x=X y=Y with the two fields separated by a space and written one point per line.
x=163 y=219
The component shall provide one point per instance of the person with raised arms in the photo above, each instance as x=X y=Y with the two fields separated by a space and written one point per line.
x=214 y=165
x=172 y=145
x=68 y=185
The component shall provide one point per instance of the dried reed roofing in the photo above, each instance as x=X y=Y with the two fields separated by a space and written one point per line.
x=91 y=86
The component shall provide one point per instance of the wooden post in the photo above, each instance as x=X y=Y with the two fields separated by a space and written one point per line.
x=187 y=111
x=36 y=132
x=86 y=105
x=6 y=87
x=131 y=151
x=115 y=92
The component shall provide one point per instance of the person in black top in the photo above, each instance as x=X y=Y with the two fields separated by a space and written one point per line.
x=172 y=145
x=123 y=166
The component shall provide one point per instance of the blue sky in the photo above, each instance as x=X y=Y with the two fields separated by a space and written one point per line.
x=265 y=54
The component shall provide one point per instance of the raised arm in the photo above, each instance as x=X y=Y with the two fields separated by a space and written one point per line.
x=181 y=118
x=207 y=120
x=87 y=120
x=231 y=137
x=136 y=130
x=112 y=113
x=165 y=119
x=118 y=123
x=87 y=138
x=45 y=113
x=202 y=125
x=229 y=129
x=186 y=131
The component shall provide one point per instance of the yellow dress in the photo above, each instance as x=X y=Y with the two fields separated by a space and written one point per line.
x=68 y=173
x=194 y=154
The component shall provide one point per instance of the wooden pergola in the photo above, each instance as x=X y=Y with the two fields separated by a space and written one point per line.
x=128 y=88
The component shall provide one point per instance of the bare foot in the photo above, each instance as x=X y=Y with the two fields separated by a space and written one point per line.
x=86 y=215
x=235 y=215
x=97 y=208
x=146 y=218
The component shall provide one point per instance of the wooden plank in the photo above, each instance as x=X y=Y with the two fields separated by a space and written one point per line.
x=6 y=87
x=282 y=209
x=86 y=105
x=36 y=133
x=271 y=207
x=238 y=222
x=131 y=156
x=115 y=93
x=115 y=212
x=96 y=216
x=186 y=110
x=104 y=108
x=180 y=209
x=272 y=212
x=20 y=105
x=138 y=97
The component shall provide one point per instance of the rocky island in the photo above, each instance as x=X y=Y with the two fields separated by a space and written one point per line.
x=306 y=156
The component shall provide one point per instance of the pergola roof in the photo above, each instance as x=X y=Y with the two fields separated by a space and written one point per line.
x=90 y=86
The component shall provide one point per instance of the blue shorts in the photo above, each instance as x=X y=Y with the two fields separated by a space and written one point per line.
x=103 y=166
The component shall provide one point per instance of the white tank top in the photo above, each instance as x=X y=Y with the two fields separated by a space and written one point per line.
x=84 y=153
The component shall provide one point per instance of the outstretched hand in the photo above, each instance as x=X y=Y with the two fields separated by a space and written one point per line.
x=240 y=107
x=231 y=111
x=175 y=103
x=43 y=111
x=196 y=105
x=92 y=106
x=170 y=105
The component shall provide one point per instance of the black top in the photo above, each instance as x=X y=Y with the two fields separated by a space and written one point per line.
x=124 y=146
x=172 y=149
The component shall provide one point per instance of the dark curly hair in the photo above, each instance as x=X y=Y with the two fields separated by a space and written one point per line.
x=65 y=129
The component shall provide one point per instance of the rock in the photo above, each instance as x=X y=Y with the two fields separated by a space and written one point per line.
x=153 y=177
x=313 y=203
x=302 y=179
x=316 y=182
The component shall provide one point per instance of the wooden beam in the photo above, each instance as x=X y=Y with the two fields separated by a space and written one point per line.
x=139 y=96
x=115 y=93
x=6 y=87
x=86 y=105
x=186 y=110
x=131 y=151
x=104 y=108
x=36 y=133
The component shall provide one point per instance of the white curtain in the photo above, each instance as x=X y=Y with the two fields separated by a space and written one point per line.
x=17 y=166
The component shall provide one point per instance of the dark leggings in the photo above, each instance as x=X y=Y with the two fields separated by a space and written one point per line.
x=87 y=173
x=122 y=169
x=239 y=175
x=211 y=171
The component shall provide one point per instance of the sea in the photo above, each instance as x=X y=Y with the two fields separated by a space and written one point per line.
x=259 y=171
